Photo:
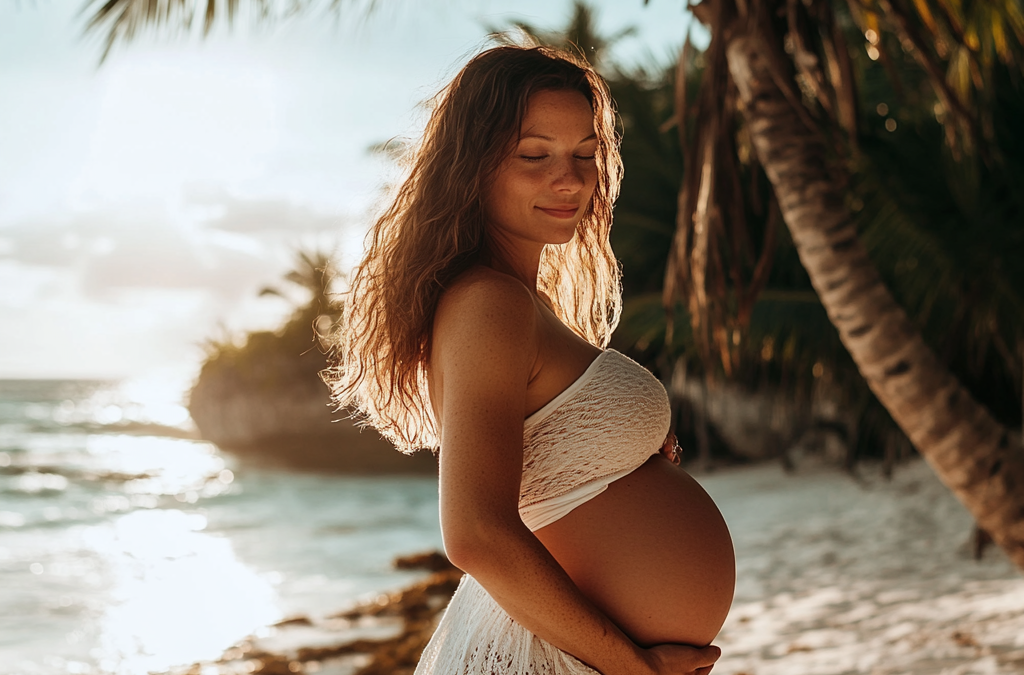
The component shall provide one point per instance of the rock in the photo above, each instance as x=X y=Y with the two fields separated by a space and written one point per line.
x=266 y=403
x=769 y=423
x=434 y=561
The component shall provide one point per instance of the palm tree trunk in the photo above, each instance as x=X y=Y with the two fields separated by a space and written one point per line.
x=970 y=451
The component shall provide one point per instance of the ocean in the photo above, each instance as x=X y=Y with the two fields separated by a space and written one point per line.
x=127 y=546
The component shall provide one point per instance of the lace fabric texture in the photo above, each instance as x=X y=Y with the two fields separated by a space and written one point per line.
x=477 y=637
x=543 y=513
x=610 y=420
x=607 y=423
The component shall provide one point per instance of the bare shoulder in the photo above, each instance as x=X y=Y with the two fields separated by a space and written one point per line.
x=484 y=344
x=484 y=306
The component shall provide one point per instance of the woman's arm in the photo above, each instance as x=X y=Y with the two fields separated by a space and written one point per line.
x=483 y=355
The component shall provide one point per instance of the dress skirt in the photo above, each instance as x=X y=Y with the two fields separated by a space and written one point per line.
x=477 y=637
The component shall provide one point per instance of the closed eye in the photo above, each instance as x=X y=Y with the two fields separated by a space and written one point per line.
x=538 y=158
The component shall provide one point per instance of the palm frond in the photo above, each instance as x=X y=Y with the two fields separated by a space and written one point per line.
x=580 y=34
x=957 y=44
x=946 y=236
x=119 y=22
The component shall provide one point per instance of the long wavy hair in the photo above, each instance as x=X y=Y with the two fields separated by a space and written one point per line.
x=434 y=229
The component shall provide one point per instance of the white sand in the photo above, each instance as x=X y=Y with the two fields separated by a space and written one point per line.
x=837 y=576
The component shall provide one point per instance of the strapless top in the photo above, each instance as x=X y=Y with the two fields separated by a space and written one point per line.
x=608 y=422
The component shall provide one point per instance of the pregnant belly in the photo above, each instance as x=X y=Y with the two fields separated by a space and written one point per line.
x=653 y=552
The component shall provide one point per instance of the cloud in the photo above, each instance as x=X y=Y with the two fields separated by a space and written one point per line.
x=159 y=261
x=244 y=249
x=61 y=333
x=233 y=214
x=98 y=295
x=109 y=293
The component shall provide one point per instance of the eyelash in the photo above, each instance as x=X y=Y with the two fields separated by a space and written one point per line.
x=538 y=158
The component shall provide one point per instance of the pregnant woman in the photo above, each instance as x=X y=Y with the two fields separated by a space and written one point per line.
x=476 y=325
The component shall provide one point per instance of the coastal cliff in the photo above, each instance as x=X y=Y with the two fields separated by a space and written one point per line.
x=271 y=407
x=262 y=398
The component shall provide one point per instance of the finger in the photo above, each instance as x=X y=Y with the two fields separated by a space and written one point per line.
x=670 y=448
x=707 y=656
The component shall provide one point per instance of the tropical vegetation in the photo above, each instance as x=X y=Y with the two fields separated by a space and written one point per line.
x=253 y=361
x=781 y=91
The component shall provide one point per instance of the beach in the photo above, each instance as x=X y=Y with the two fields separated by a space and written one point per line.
x=877 y=577
x=127 y=553
x=837 y=574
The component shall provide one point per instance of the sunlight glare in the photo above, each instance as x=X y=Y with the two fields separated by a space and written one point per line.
x=160 y=398
x=180 y=595
x=169 y=118
x=164 y=466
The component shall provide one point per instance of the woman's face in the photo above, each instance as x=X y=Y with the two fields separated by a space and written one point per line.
x=542 y=190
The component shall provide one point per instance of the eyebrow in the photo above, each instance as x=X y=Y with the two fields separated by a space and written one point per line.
x=591 y=137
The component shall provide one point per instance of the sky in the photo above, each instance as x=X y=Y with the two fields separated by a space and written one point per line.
x=145 y=202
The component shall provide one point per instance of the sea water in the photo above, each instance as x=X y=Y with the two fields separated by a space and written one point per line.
x=128 y=546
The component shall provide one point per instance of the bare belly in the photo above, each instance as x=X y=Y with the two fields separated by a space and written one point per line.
x=653 y=552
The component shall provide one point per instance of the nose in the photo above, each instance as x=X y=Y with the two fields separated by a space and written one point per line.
x=568 y=176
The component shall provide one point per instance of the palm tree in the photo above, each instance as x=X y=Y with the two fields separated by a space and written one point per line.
x=315 y=274
x=779 y=81
x=580 y=35
x=784 y=69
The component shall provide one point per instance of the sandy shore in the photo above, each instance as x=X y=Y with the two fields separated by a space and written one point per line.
x=877 y=577
x=837 y=576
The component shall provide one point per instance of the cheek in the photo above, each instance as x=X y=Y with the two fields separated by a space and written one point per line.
x=519 y=187
x=502 y=199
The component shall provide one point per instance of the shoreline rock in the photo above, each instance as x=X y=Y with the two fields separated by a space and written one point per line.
x=384 y=636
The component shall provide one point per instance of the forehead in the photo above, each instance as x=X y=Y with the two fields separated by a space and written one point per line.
x=557 y=113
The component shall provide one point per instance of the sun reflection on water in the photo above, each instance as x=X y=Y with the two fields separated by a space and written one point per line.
x=160 y=399
x=162 y=466
x=179 y=594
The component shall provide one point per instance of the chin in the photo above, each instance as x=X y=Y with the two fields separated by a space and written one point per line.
x=559 y=238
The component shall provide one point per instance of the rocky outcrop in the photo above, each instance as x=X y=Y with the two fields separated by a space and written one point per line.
x=265 y=402
x=769 y=423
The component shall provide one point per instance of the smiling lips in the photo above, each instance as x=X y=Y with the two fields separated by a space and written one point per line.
x=560 y=211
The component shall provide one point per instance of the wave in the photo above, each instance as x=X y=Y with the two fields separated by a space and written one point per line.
x=71 y=473
x=130 y=428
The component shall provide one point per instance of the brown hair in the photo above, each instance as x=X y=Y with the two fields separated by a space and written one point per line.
x=434 y=229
